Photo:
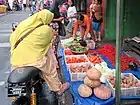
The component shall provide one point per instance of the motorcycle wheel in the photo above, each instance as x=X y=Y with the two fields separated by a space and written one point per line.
x=22 y=100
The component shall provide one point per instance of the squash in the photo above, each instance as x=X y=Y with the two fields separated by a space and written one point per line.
x=92 y=83
x=84 y=90
x=102 y=92
x=93 y=73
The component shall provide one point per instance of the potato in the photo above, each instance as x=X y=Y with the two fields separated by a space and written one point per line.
x=130 y=79
x=89 y=67
x=111 y=77
x=129 y=85
x=135 y=81
x=112 y=82
x=125 y=85
x=123 y=77
x=124 y=81
x=133 y=85
x=72 y=70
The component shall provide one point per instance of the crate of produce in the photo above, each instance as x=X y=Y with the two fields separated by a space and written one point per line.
x=76 y=59
x=95 y=59
x=2 y=8
x=130 y=85
x=67 y=52
x=66 y=42
x=78 y=71
x=100 y=64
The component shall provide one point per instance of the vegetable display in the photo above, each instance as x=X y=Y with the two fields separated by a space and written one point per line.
x=95 y=59
x=79 y=68
x=103 y=68
x=93 y=74
x=102 y=92
x=92 y=83
x=126 y=81
x=84 y=90
x=110 y=52
x=78 y=48
x=68 y=52
x=75 y=59
x=93 y=70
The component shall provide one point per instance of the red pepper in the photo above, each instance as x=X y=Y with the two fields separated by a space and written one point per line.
x=110 y=52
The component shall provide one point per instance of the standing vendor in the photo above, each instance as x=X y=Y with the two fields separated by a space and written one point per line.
x=71 y=13
x=96 y=15
x=83 y=22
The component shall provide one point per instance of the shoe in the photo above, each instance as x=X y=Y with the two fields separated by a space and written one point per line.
x=63 y=88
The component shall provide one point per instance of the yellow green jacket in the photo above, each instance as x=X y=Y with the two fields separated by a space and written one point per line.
x=36 y=44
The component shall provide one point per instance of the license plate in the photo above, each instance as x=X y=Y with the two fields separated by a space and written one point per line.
x=16 y=90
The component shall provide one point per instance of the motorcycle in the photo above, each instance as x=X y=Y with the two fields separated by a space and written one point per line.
x=26 y=87
x=23 y=86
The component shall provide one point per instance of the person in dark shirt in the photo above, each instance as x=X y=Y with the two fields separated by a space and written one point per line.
x=53 y=6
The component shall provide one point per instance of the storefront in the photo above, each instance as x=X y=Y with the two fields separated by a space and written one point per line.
x=130 y=18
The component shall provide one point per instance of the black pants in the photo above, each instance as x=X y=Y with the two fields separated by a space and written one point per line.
x=24 y=5
x=62 y=31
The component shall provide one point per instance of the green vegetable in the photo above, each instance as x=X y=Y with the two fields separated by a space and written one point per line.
x=78 y=49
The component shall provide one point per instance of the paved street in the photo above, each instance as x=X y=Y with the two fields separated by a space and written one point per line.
x=5 y=31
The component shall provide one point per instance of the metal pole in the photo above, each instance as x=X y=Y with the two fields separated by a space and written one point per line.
x=105 y=15
x=118 y=49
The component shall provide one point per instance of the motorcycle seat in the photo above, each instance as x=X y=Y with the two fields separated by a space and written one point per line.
x=23 y=74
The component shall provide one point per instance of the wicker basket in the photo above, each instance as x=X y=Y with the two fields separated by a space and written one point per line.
x=2 y=9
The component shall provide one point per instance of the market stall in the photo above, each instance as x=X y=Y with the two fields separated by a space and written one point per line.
x=77 y=61
x=118 y=76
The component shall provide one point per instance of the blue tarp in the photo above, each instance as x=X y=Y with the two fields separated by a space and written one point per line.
x=91 y=100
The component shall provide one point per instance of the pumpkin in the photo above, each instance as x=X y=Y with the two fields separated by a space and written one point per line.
x=93 y=73
x=92 y=83
x=84 y=90
x=102 y=92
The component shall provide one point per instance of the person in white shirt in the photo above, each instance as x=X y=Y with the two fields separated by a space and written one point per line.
x=24 y=4
x=71 y=16
x=11 y=3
